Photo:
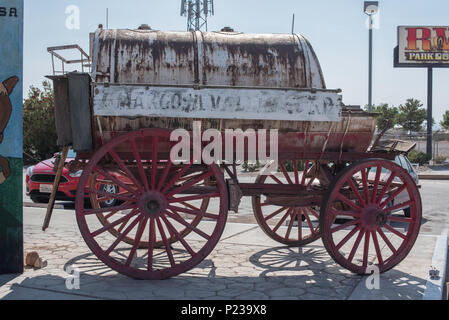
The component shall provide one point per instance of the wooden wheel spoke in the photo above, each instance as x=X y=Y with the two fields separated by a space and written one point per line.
x=386 y=240
x=347 y=237
x=304 y=173
x=125 y=169
x=394 y=195
x=151 y=240
x=115 y=180
x=194 y=212
x=356 y=245
x=104 y=210
x=274 y=214
x=276 y=179
x=139 y=233
x=197 y=197
x=348 y=202
x=309 y=222
x=115 y=223
x=377 y=248
x=180 y=220
x=190 y=184
x=299 y=215
x=181 y=239
x=386 y=186
x=396 y=232
x=398 y=206
x=355 y=190
x=366 y=249
x=295 y=169
x=111 y=214
x=335 y=212
x=286 y=175
x=345 y=225
x=154 y=163
x=166 y=244
x=311 y=180
x=190 y=206
x=109 y=195
x=164 y=175
x=123 y=235
x=376 y=184
x=399 y=219
x=290 y=226
x=281 y=221
x=314 y=213
x=365 y=184
x=178 y=175
x=139 y=164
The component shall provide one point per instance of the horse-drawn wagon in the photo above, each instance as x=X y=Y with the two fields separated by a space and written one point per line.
x=332 y=181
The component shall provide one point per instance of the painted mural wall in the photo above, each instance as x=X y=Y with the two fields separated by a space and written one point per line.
x=11 y=107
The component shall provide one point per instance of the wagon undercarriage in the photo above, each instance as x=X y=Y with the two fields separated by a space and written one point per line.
x=177 y=212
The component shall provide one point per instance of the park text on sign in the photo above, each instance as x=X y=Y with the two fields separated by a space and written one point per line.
x=423 y=45
x=254 y=104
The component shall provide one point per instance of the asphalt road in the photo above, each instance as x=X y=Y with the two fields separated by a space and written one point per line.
x=435 y=198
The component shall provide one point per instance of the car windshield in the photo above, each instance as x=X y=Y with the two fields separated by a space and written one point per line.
x=71 y=154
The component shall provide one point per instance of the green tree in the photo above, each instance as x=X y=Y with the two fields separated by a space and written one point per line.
x=387 y=117
x=39 y=130
x=445 y=122
x=412 y=115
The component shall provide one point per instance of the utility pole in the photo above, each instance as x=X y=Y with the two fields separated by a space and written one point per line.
x=197 y=13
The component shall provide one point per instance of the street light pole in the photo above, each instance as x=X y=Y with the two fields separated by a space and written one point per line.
x=370 y=80
x=370 y=8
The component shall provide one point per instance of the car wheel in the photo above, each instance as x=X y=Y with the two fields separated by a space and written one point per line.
x=110 y=189
x=407 y=212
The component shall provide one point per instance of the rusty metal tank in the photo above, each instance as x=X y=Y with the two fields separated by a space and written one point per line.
x=160 y=60
x=205 y=58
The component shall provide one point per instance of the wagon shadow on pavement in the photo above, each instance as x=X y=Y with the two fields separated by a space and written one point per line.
x=279 y=273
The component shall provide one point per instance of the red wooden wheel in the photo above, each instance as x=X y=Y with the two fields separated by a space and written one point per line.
x=292 y=226
x=98 y=201
x=366 y=202
x=160 y=203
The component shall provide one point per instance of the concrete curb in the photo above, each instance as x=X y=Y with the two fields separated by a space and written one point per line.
x=41 y=205
x=435 y=287
x=433 y=177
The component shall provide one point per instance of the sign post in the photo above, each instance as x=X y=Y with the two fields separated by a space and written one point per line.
x=429 y=109
x=423 y=47
x=11 y=148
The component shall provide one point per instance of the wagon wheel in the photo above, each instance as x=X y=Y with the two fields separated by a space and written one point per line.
x=96 y=201
x=156 y=209
x=361 y=194
x=302 y=223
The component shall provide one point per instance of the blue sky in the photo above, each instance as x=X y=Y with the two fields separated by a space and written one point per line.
x=336 y=30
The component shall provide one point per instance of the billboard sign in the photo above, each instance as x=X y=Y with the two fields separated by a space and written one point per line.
x=420 y=46
x=11 y=103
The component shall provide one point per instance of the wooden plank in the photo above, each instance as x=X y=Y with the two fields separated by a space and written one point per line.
x=51 y=203
x=80 y=111
x=218 y=103
x=62 y=111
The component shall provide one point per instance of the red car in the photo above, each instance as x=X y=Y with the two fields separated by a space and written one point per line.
x=40 y=179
